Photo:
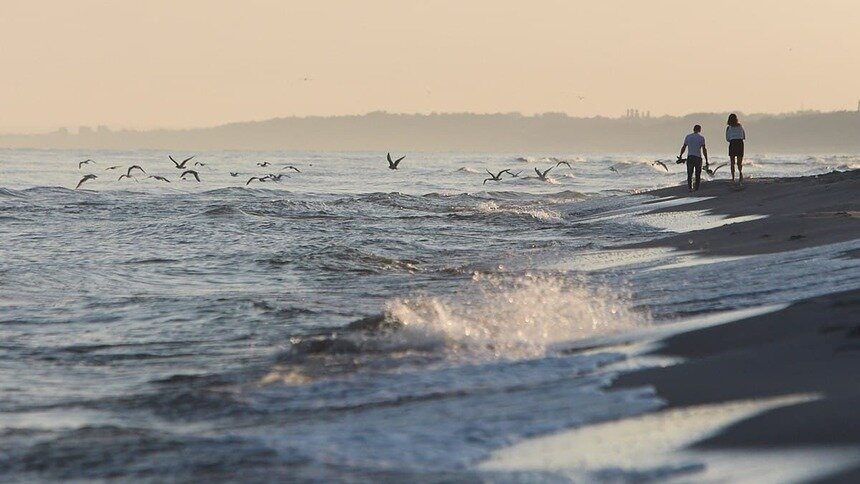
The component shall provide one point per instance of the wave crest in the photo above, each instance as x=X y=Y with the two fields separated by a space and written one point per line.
x=514 y=317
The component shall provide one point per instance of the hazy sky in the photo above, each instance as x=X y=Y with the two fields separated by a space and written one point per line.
x=182 y=63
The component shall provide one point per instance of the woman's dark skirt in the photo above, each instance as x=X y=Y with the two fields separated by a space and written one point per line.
x=736 y=147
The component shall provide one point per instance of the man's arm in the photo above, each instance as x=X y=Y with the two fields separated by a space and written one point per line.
x=683 y=149
x=705 y=152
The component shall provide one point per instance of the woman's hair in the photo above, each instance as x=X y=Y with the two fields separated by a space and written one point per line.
x=733 y=120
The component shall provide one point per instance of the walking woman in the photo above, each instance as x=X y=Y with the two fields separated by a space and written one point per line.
x=735 y=135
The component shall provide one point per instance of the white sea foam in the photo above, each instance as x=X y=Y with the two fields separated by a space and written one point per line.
x=542 y=214
x=511 y=317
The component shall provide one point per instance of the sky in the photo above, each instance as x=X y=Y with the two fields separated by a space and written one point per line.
x=189 y=63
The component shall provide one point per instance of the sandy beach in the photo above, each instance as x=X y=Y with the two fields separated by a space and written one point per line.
x=804 y=357
x=801 y=212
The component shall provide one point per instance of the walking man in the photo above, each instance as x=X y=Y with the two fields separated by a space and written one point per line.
x=695 y=143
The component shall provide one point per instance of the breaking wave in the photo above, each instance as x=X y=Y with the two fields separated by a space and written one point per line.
x=515 y=317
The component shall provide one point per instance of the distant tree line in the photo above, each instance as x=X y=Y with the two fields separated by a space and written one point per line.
x=806 y=132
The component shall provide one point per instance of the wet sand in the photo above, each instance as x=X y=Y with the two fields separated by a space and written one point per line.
x=813 y=346
x=801 y=212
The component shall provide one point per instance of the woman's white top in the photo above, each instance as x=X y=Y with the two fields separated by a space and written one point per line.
x=735 y=132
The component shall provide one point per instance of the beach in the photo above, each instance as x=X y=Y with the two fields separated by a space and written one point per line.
x=807 y=352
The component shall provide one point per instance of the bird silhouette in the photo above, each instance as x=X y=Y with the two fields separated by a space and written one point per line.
x=714 y=171
x=190 y=172
x=542 y=176
x=132 y=167
x=85 y=178
x=392 y=165
x=181 y=166
x=496 y=177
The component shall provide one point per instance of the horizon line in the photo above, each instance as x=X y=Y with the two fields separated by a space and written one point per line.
x=114 y=129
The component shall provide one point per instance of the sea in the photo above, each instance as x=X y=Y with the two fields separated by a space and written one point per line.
x=348 y=322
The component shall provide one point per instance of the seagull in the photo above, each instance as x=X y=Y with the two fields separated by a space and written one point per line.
x=112 y=167
x=542 y=176
x=190 y=172
x=392 y=165
x=180 y=166
x=126 y=176
x=199 y=163
x=233 y=173
x=262 y=179
x=658 y=162
x=264 y=164
x=712 y=172
x=515 y=175
x=85 y=162
x=291 y=167
x=277 y=177
x=85 y=178
x=612 y=168
x=562 y=163
x=496 y=177
x=160 y=178
x=132 y=167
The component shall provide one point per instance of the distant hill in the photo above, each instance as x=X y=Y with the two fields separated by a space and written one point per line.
x=808 y=132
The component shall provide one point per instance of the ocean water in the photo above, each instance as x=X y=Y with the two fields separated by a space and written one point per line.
x=347 y=323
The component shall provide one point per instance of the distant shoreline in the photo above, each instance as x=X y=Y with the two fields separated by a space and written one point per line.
x=801 y=133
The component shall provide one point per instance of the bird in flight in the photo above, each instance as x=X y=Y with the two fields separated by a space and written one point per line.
x=112 y=167
x=132 y=167
x=180 y=166
x=542 y=176
x=291 y=167
x=190 y=172
x=562 y=163
x=160 y=178
x=392 y=165
x=277 y=177
x=85 y=162
x=658 y=162
x=496 y=177
x=199 y=163
x=234 y=173
x=712 y=172
x=515 y=175
x=262 y=179
x=85 y=178
x=264 y=164
x=126 y=176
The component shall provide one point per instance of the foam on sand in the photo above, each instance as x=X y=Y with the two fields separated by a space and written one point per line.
x=658 y=445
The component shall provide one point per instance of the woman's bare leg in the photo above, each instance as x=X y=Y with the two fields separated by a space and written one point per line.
x=740 y=169
x=732 y=158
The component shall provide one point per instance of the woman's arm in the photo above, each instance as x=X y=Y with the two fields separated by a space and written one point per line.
x=727 y=132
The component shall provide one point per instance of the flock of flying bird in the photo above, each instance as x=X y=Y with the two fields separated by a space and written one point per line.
x=186 y=172
x=392 y=165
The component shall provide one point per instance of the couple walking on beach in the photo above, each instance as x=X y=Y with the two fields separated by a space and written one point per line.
x=694 y=143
